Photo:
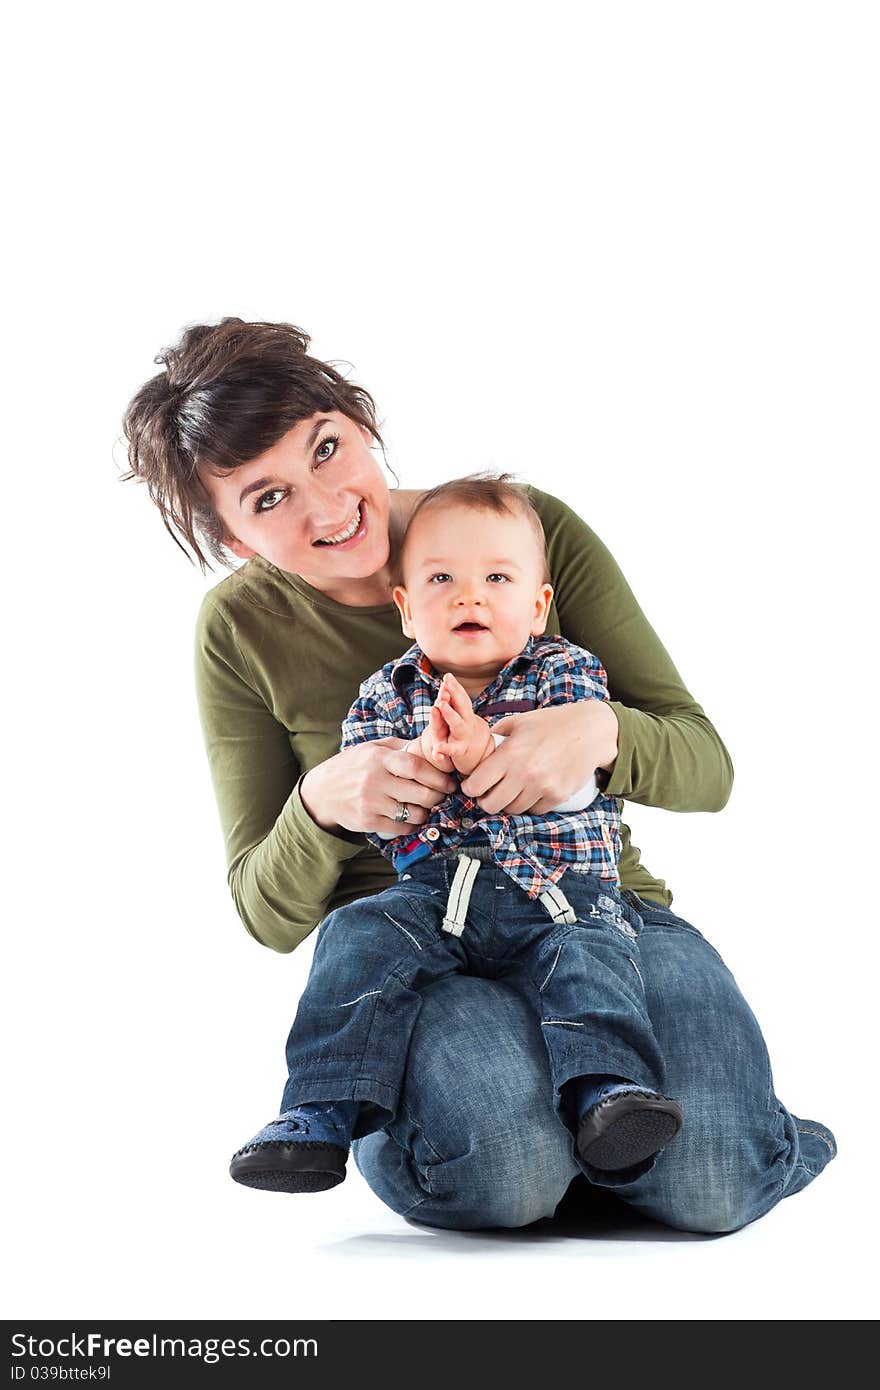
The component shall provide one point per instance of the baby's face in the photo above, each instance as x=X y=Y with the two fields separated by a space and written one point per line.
x=472 y=590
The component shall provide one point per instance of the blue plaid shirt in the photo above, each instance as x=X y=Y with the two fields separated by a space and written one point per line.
x=535 y=850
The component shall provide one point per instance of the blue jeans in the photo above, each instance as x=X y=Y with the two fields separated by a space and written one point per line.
x=574 y=959
x=477 y=1143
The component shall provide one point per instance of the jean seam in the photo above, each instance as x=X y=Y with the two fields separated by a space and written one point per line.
x=414 y=905
x=441 y=1158
x=591 y=925
x=372 y=1026
x=342 y=1080
x=359 y=1058
x=803 y=1129
x=421 y=1201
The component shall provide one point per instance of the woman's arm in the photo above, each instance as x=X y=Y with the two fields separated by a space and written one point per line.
x=282 y=867
x=288 y=836
x=669 y=754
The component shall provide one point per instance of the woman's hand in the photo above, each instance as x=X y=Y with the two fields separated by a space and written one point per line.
x=361 y=788
x=546 y=754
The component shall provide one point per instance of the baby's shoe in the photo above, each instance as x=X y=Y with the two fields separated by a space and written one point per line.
x=621 y=1124
x=304 y=1150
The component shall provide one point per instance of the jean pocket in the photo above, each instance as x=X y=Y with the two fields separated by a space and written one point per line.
x=427 y=904
x=653 y=915
x=663 y=917
x=648 y=911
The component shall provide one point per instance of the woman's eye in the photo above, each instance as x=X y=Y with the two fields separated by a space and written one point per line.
x=275 y=492
x=331 y=441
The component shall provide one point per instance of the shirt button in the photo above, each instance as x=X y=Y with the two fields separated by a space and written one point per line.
x=432 y=834
x=467 y=822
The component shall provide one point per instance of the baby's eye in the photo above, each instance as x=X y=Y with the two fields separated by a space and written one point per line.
x=275 y=492
x=441 y=578
x=504 y=578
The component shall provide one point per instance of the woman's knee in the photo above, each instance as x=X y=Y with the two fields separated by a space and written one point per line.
x=725 y=1169
x=704 y=1206
x=499 y=1181
x=477 y=1141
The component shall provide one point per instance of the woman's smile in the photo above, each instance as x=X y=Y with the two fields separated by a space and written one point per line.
x=351 y=534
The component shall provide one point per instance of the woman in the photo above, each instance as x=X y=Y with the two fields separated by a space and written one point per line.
x=255 y=448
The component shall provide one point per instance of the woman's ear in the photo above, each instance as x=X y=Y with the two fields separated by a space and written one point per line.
x=238 y=548
x=398 y=593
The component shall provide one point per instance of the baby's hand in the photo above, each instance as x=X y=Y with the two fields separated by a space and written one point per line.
x=469 y=739
x=430 y=740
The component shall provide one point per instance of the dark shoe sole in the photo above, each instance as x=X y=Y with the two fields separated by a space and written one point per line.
x=279 y=1167
x=626 y=1129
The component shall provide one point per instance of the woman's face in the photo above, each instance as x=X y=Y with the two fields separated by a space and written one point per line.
x=315 y=504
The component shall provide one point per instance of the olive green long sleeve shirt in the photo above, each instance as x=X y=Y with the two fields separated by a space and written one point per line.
x=278 y=664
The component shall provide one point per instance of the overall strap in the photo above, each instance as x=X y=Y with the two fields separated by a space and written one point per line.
x=460 y=894
x=558 y=906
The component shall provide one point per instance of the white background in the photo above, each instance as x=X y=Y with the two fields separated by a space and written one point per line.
x=629 y=251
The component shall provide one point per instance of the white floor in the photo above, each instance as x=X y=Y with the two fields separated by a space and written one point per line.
x=124 y=1230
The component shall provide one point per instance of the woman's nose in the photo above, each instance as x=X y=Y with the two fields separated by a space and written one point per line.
x=331 y=509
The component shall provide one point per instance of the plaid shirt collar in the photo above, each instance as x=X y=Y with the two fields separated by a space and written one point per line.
x=414 y=666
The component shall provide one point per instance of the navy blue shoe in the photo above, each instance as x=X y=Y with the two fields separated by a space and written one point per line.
x=625 y=1125
x=304 y=1150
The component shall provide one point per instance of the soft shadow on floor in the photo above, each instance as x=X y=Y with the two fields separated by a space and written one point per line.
x=585 y=1213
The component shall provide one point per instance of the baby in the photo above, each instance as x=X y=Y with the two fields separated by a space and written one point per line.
x=533 y=898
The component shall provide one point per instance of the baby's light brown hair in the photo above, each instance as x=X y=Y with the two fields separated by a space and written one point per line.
x=487 y=491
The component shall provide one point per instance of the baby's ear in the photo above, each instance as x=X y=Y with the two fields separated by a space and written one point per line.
x=543 y=599
x=399 y=594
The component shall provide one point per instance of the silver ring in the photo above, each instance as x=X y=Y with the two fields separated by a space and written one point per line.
x=402 y=812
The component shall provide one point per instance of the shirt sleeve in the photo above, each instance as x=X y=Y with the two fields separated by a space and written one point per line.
x=669 y=753
x=376 y=713
x=282 y=868
x=569 y=675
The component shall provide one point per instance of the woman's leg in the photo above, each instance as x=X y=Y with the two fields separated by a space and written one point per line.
x=476 y=1141
x=740 y=1150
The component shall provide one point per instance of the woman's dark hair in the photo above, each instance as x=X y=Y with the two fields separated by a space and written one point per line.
x=229 y=391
